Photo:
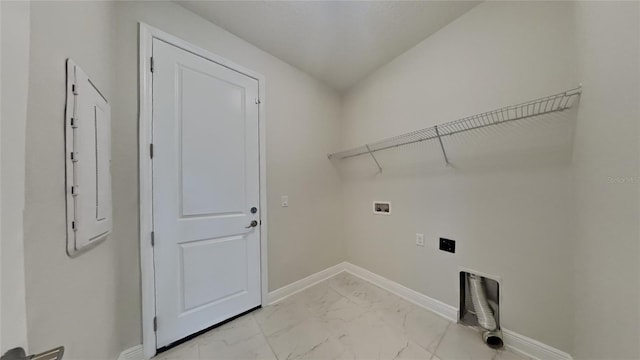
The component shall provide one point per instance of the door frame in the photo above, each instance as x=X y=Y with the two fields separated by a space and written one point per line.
x=146 y=35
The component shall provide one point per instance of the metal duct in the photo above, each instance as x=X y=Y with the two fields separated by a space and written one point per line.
x=484 y=313
x=493 y=339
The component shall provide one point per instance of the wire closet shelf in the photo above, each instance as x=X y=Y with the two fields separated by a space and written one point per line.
x=546 y=105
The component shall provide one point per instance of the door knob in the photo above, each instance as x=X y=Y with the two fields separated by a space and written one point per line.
x=254 y=223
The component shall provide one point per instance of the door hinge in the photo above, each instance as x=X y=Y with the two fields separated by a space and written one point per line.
x=151 y=62
x=153 y=239
x=155 y=323
x=151 y=150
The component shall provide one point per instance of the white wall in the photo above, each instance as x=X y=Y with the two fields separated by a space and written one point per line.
x=302 y=127
x=70 y=302
x=507 y=200
x=607 y=176
x=15 y=82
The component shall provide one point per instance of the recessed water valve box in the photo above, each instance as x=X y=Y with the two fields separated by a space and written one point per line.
x=382 y=207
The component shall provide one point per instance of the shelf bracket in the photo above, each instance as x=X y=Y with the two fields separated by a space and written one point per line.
x=374 y=158
x=444 y=153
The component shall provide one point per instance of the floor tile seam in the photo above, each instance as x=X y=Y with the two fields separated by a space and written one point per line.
x=266 y=338
x=444 y=333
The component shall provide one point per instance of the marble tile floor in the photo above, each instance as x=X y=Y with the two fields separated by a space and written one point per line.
x=343 y=317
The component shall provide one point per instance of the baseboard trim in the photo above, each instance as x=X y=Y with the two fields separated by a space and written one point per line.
x=532 y=348
x=134 y=353
x=297 y=286
x=447 y=311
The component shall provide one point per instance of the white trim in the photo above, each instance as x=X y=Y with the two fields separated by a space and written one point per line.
x=447 y=311
x=134 y=353
x=146 y=36
x=147 y=272
x=532 y=348
x=302 y=284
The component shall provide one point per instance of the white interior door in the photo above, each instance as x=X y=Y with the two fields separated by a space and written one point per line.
x=205 y=184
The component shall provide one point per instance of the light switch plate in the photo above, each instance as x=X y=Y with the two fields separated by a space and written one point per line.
x=285 y=200
x=420 y=239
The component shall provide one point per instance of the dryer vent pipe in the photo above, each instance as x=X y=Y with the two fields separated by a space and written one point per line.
x=480 y=303
x=492 y=335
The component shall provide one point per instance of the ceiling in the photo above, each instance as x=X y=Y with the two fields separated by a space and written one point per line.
x=338 y=42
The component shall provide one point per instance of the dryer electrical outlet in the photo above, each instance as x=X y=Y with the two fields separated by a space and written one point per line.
x=88 y=162
x=447 y=245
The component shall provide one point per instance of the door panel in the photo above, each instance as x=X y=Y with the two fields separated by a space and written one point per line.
x=213 y=122
x=217 y=254
x=94 y=141
x=205 y=181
